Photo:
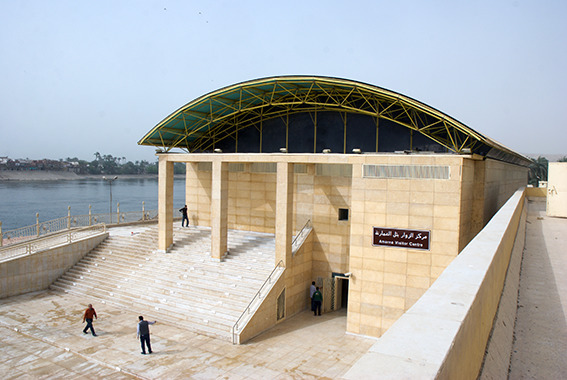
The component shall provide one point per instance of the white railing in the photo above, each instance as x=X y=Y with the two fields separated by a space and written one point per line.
x=57 y=239
x=40 y=229
x=260 y=294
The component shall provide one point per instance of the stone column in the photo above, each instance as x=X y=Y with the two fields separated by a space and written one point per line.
x=191 y=191
x=284 y=212
x=219 y=210
x=165 y=204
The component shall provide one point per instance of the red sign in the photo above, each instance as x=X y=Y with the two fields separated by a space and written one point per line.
x=400 y=238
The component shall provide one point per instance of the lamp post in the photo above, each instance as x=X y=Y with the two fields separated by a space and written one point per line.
x=110 y=180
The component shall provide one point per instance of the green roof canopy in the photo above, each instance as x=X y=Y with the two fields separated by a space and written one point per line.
x=222 y=114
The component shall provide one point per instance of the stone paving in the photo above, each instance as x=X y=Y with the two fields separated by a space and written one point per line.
x=540 y=347
x=49 y=344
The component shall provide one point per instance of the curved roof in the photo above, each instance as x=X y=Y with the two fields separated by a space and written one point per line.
x=218 y=115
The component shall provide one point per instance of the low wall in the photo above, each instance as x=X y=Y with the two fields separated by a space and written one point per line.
x=499 y=347
x=295 y=280
x=445 y=333
x=536 y=192
x=266 y=315
x=37 y=271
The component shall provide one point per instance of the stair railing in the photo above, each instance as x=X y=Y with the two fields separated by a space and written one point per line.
x=300 y=235
x=258 y=296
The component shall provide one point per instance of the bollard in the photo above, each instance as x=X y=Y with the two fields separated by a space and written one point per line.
x=118 y=213
x=37 y=223
x=143 y=210
x=1 y=236
x=90 y=216
x=68 y=217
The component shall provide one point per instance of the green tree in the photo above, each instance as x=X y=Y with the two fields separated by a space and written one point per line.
x=562 y=159
x=151 y=168
x=129 y=168
x=538 y=170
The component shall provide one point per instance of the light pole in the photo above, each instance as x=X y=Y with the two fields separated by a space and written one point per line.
x=110 y=180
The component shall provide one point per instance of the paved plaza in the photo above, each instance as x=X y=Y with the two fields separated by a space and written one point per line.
x=49 y=344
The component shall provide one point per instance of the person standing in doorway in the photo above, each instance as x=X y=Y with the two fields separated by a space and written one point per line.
x=311 y=291
x=144 y=334
x=317 y=301
x=185 y=217
x=88 y=317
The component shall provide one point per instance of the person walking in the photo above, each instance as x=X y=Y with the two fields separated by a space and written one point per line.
x=311 y=291
x=88 y=317
x=144 y=334
x=317 y=300
x=185 y=217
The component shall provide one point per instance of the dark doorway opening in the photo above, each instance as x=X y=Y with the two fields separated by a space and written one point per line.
x=344 y=293
x=341 y=291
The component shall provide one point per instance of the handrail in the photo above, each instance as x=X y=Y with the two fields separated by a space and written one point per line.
x=39 y=229
x=300 y=233
x=258 y=295
x=32 y=246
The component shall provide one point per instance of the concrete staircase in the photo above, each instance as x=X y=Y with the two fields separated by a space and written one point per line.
x=184 y=286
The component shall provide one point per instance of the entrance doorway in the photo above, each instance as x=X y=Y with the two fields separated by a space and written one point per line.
x=341 y=291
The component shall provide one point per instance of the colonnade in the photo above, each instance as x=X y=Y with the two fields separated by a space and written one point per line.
x=219 y=207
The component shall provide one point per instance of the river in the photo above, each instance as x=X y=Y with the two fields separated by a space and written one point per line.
x=21 y=200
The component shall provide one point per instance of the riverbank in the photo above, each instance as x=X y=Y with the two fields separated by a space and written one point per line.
x=47 y=175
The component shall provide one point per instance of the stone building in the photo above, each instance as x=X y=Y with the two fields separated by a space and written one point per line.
x=387 y=190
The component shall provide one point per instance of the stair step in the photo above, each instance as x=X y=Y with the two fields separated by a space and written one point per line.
x=184 y=286
x=229 y=296
x=175 y=320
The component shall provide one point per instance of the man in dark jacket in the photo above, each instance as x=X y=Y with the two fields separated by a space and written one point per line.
x=88 y=316
x=185 y=217
x=144 y=334
x=317 y=300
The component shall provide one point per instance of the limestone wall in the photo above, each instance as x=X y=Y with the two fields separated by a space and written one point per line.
x=266 y=315
x=298 y=277
x=387 y=281
x=252 y=202
x=319 y=194
x=450 y=325
x=251 y=196
x=39 y=270
x=501 y=181
x=486 y=186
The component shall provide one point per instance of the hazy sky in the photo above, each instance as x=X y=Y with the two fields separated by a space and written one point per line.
x=79 y=77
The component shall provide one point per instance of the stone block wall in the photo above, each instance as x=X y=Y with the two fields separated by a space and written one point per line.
x=198 y=193
x=450 y=325
x=37 y=271
x=501 y=181
x=298 y=277
x=388 y=281
x=319 y=195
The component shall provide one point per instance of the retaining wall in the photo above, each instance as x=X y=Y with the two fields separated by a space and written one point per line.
x=37 y=271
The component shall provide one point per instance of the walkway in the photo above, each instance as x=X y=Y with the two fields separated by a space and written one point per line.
x=540 y=348
x=40 y=336
x=49 y=344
